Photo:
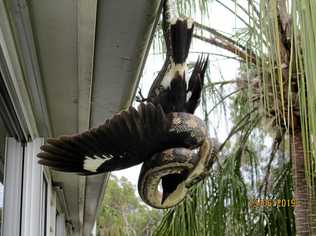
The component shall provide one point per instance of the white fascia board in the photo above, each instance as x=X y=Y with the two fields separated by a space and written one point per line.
x=144 y=54
x=86 y=23
x=13 y=76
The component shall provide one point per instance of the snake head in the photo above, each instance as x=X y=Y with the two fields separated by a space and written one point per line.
x=170 y=183
x=207 y=154
x=177 y=169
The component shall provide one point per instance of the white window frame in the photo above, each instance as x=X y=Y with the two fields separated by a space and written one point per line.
x=12 y=188
x=24 y=192
x=51 y=203
x=60 y=224
x=34 y=174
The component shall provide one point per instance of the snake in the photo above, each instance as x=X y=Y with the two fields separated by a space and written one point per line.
x=166 y=144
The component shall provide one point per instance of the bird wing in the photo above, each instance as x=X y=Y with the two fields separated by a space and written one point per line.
x=123 y=141
x=196 y=84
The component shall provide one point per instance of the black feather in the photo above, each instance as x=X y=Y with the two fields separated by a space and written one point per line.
x=128 y=138
x=196 y=84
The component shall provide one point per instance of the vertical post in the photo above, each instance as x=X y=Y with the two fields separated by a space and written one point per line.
x=32 y=188
x=60 y=225
x=12 y=187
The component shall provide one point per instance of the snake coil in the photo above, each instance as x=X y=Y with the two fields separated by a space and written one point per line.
x=191 y=161
x=173 y=148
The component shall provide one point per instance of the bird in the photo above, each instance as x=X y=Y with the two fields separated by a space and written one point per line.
x=133 y=136
x=125 y=140
x=172 y=88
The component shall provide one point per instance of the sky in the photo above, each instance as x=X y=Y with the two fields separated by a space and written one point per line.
x=220 y=69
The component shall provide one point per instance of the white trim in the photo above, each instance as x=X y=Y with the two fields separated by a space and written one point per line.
x=12 y=188
x=52 y=207
x=32 y=189
x=13 y=75
x=51 y=204
x=19 y=11
x=63 y=207
x=60 y=225
x=86 y=23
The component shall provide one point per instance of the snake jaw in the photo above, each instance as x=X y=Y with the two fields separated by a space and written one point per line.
x=170 y=183
x=178 y=167
x=201 y=170
x=176 y=176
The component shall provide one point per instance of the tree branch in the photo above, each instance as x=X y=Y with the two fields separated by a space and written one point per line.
x=233 y=48
x=275 y=146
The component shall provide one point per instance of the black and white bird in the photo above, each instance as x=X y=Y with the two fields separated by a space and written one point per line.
x=173 y=89
x=131 y=137
x=125 y=140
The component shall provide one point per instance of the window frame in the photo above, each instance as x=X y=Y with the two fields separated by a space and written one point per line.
x=13 y=180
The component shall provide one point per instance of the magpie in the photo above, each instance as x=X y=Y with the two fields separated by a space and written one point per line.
x=173 y=89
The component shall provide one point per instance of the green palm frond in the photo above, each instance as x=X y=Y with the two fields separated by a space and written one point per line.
x=276 y=44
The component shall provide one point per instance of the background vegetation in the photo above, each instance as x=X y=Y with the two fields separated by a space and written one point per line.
x=123 y=213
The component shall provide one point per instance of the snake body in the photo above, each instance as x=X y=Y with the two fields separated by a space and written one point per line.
x=190 y=160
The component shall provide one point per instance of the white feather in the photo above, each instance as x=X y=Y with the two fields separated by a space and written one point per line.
x=172 y=12
x=175 y=68
x=91 y=164
x=189 y=23
x=189 y=94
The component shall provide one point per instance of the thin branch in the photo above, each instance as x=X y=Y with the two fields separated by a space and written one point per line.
x=238 y=127
x=224 y=82
x=254 y=8
x=219 y=35
x=229 y=47
x=244 y=9
x=275 y=146
x=222 y=99
x=223 y=37
x=232 y=11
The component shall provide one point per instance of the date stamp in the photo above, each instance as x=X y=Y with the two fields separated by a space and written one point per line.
x=253 y=203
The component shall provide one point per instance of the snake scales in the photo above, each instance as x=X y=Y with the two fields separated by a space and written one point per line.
x=192 y=161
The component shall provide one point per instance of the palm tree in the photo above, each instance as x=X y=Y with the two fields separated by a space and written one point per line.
x=276 y=48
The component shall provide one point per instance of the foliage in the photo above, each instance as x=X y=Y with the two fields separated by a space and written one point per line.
x=122 y=212
x=221 y=205
x=272 y=101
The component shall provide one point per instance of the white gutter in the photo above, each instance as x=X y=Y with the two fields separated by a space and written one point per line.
x=86 y=23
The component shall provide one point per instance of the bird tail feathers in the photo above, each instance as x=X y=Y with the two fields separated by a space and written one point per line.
x=181 y=32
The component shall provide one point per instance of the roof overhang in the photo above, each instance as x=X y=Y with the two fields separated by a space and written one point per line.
x=71 y=65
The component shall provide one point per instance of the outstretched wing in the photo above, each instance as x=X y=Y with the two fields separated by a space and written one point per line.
x=196 y=84
x=123 y=141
